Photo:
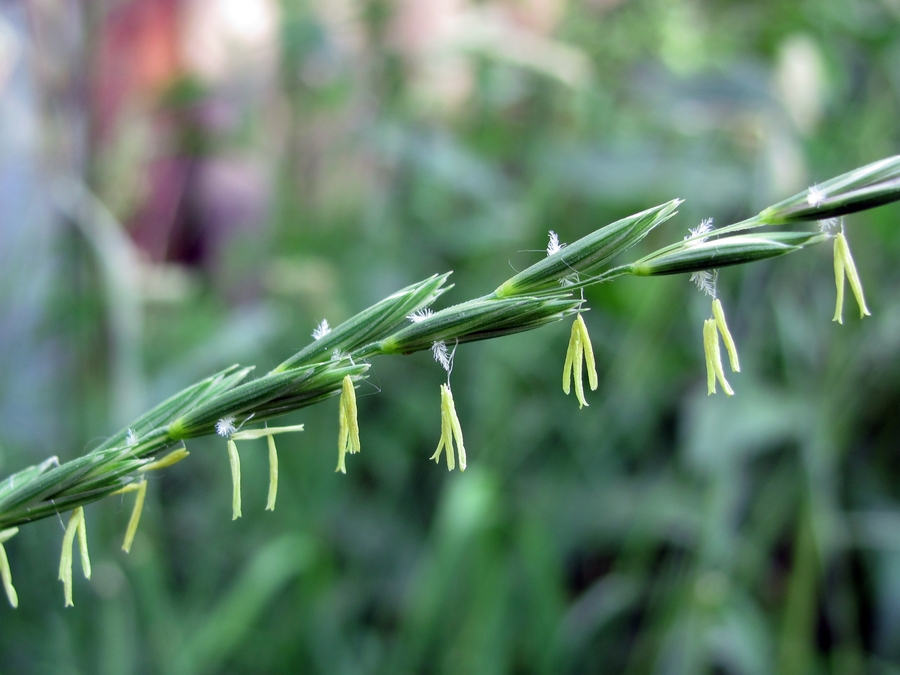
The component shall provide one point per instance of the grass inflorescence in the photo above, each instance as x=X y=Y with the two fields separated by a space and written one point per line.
x=403 y=323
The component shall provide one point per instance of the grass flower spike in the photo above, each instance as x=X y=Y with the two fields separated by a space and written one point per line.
x=843 y=263
x=5 y=573
x=348 y=436
x=451 y=432
x=579 y=348
x=404 y=323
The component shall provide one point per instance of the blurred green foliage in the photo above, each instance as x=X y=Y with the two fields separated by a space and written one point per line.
x=657 y=531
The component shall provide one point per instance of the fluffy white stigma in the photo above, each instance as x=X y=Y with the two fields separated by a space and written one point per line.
x=705 y=227
x=706 y=282
x=420 y=315
x=225 y=426
x=321 y=330
x=553 y=246
x=441 y=354
x=815 y=196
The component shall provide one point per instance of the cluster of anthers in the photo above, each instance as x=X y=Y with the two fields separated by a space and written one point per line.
x=225 y=428
x=843 y=261
x=844 y=267
x=580 y=352
x=714 y=326
x=451 y=431
x=77 y=527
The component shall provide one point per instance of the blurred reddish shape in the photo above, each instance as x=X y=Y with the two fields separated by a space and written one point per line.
x=138 y=55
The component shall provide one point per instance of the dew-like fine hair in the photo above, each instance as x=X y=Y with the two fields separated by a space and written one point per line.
x=225 y=426
x=321 y=330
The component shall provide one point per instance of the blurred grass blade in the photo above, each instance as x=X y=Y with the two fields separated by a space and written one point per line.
x=270 y=570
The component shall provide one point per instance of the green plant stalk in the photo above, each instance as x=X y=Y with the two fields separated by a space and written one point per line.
x=541 y=294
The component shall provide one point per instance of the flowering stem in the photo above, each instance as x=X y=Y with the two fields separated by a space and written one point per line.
x=338 y=357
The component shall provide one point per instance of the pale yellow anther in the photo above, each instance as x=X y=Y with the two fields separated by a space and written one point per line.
x=710 y=342
x=273 y=473
x=719 y=315
x=348 y=434
x=172 y=458
x=579 y=353
x=131 y=530
x=269 y=433
x=83 y=547
x=578 y=366
x=343 y=436
x=839 y=282
x=5 y=572
x=131 y=487
x=446 y=442
x=570 y=358
x=843 y=263
x=588 y=354
x=76 y=526
x=253 y=434
x=235 y=461
x=451 y=432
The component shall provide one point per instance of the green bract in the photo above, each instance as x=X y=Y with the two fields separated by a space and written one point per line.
x=478 y=320
x=373 y=323
x=864 y=188
x=696 y=255
x=587 y=255
x=259 y=398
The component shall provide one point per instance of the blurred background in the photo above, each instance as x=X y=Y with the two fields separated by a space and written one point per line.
x=186 y=184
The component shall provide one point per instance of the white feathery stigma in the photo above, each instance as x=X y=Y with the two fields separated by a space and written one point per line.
x=704 y=227
x=441 y=355
x=553 y=246
x=706 y=282
x=830 y=226
x=815 y=196
x=420 y=315
x=225 y=426
x=321 y=330
x=130 y=438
